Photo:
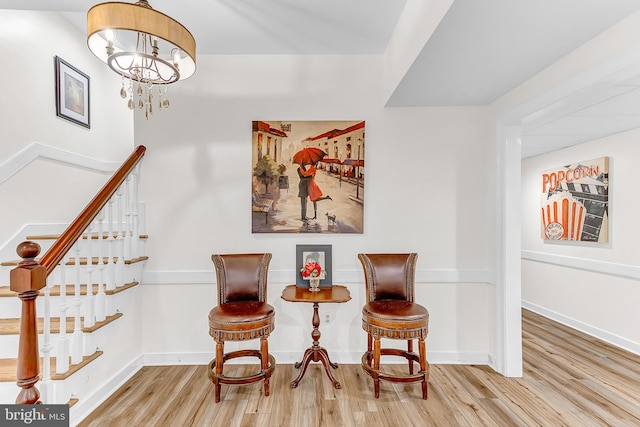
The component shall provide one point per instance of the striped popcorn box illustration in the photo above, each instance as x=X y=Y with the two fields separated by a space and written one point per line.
x=562 y=217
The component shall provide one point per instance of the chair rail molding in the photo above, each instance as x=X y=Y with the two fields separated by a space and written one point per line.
x=36 y=150
x=177 y=277
x=586 y=264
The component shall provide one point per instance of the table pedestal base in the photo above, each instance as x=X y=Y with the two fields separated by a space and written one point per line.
x=315 y=353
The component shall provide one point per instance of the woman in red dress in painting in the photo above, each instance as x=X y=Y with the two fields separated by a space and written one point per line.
x=315 y=193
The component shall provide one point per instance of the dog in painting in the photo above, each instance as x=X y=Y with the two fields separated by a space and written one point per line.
x=331 y=219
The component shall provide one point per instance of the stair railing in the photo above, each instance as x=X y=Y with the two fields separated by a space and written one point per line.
x=30 y=276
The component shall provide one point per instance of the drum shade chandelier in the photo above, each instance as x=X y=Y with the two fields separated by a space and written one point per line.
x=149 y=49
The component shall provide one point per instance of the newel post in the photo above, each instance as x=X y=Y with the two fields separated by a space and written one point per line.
x=27 y=279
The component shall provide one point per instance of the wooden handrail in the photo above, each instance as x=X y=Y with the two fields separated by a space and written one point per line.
x=31 y=275
x=64 y=243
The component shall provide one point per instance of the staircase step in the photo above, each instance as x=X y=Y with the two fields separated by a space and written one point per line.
x=12 y=326
x=5 y=291
x=83 y=261
x=73 y=368
x=8 y=367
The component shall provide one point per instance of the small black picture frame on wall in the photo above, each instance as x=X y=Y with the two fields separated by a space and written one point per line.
x=72 y=93
x=320 y=254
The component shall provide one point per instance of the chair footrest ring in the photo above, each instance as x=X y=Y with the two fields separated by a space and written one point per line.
x=367 y=357
x=247 y=379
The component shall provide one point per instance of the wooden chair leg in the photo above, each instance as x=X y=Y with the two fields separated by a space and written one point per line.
x=369 y=349
x=219 y=363
x=376 y=367
x=424 y=368
x=410 y=350
x=264 y=359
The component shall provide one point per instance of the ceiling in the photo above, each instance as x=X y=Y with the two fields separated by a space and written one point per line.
x=479 y=51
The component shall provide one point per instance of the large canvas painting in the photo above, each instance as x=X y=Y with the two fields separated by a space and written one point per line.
x=575 y=202
x=307 y=176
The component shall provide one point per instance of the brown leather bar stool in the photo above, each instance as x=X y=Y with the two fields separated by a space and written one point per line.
x=391 y=313
x=241 y=314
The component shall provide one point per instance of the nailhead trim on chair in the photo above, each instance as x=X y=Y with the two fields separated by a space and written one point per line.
x=220 y=335
x=376 y=331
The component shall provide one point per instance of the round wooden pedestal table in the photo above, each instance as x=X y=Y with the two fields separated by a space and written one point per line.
x=315 y=353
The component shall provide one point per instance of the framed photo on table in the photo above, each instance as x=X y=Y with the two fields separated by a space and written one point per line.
x=72 y=93
x=320 y=254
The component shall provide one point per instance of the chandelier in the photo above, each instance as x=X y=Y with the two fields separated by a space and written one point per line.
x=149 y=49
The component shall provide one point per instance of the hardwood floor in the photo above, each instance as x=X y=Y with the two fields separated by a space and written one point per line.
x=570 y=379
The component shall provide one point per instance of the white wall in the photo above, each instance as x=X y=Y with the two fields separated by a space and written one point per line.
x=28 y=111
x=426 y=191
x=593 y=287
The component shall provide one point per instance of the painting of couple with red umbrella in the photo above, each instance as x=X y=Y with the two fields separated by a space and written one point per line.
x=308 y=176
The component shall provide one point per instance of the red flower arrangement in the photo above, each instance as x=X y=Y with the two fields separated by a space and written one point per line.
x=311 y=269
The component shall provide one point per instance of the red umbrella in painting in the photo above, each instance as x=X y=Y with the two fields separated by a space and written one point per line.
x=308 y=156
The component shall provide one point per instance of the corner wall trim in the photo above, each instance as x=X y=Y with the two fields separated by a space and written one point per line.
x=37 y=150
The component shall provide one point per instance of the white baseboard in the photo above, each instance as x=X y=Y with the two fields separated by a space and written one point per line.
x=603 y=335
x=290 y=357
x=85 y=407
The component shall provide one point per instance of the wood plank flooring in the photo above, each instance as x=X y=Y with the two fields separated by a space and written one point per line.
x=570 y=379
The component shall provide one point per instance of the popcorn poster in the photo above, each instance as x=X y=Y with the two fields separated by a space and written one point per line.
x=575 y=202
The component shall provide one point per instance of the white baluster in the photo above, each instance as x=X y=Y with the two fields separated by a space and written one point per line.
x=89 y=300
x=101 y=301
x=142 y=227
x=120 y=241
x=127 y=216
x=62 y=350
x=110 y=277
x=46 y=344
x=110 y=271
x=135 y=238
x=77 y=337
